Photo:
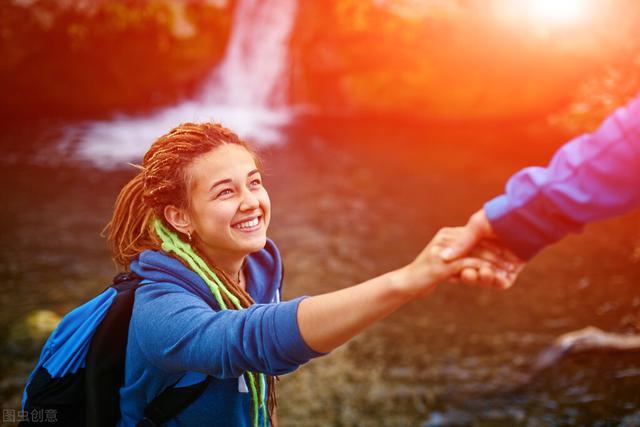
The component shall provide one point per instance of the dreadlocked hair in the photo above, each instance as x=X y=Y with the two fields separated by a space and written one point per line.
x=138 y=224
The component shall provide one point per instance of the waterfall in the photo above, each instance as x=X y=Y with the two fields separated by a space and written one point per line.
x=247 y=92
x=254 y=70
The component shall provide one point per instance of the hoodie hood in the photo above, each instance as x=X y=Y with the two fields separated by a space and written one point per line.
x=263 y=272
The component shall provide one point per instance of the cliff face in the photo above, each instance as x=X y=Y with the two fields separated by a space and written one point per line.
x=87 y=58
x=445 y=59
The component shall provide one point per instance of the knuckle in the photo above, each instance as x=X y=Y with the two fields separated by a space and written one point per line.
x=444 y=231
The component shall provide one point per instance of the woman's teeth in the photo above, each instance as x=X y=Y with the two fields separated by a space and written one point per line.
x=248 y=224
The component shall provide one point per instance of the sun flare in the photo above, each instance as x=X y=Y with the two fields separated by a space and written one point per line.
x=557 y=11
x=545 y=15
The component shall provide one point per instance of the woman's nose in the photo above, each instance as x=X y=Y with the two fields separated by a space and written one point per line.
x=249 y=201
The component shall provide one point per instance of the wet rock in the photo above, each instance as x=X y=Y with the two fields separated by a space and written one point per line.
x=448 y=419
x=401 y=373
x=632 y=420
x=27 y=336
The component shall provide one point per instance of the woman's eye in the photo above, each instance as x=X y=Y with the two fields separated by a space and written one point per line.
x=256 y=182
x=224 y=192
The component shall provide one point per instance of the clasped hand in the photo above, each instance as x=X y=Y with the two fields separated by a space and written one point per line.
x=471 y=254
x=477 y=239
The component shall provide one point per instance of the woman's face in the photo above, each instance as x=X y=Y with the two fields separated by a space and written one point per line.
x=230 y=209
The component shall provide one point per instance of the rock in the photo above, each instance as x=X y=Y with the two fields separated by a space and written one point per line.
x=448 y=418
x=632 y=420
x=27 y=336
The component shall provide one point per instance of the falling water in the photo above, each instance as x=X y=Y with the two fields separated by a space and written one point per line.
x=254 y=70
x=247 y=92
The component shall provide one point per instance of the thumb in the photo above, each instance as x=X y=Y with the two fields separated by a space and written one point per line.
x=461 y=246
x=477 y=228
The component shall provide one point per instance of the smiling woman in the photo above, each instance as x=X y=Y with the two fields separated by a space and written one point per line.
x=193 y=225
x=227 y=219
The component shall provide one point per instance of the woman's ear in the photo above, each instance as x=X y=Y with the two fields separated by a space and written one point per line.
x=178 y=218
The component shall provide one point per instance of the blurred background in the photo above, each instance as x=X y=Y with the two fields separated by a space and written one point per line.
x=379 y=121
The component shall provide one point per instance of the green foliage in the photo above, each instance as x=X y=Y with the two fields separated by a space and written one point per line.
x=616 y=84
x=598 y=97
x=447 y=59
x=94 y=57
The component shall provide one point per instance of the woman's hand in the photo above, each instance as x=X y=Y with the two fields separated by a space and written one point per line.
x=479 y=234
x=508 y=267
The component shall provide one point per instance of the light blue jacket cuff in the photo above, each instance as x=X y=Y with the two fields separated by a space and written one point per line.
x=512 y=229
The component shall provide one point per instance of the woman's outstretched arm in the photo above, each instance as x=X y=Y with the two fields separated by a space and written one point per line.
x=329 y=320
x=177 y=331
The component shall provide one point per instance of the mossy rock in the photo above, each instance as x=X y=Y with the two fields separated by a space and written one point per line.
x=27 y=336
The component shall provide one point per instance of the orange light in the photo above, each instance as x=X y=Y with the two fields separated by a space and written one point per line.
x=544 y=16
x=557 y=12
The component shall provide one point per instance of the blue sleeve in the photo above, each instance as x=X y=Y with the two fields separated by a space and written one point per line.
x=177 y=331
x=592 y=177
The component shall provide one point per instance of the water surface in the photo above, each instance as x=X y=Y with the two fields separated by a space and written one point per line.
x=353 y=198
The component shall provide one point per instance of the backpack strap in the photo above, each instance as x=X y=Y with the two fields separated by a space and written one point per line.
x=105 y=366
x=106 y=356
x=171 y=402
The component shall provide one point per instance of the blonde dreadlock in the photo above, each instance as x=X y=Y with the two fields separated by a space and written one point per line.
x=138 y=223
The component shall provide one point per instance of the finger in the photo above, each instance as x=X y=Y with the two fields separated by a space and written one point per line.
x=509 y=255
x=476 y=228
x=486 y=254
x=455 y=279
x=447 y=236
x=469 y=276
x=504 y=280
x=460 y=246
x=502 y=251
x=486 y=276
x=492 y=245
x=469 y=268
x=492 y=250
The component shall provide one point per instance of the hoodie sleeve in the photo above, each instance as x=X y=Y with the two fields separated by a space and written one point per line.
x=592 y=177
x=177 y=331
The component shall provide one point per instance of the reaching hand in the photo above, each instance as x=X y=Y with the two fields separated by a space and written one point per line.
x=477 y=235
x=429 y=269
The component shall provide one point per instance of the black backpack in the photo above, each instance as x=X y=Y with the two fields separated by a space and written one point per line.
x=78 y=377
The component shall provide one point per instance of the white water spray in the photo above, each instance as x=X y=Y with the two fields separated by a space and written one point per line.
x=246 y=93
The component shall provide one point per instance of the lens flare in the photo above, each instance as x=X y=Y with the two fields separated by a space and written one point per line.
x=544 y=16
x=557 y=11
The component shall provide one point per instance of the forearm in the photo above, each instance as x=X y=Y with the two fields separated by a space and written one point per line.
x=329 y=320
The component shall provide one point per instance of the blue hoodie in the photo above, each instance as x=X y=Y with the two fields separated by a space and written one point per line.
x=178 y=334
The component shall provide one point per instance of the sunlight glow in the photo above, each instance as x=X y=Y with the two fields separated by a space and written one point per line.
x=546 y=17
x=557 y=11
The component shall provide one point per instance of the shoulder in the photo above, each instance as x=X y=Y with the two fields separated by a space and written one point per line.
x=158 y=299
x=168 y=272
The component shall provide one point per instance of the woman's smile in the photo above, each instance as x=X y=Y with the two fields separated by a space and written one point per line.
x=249 y=225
